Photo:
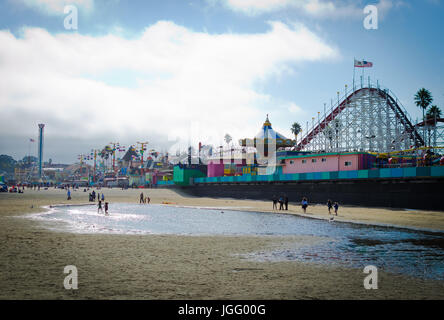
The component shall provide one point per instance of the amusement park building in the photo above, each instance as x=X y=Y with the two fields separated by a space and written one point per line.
x=225 y=167
x=326 y=162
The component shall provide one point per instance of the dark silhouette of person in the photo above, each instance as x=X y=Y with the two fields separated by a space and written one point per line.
x=304 y=204
x=281 y=203
x=329 y=205
x=286 y=202
x=275 y=200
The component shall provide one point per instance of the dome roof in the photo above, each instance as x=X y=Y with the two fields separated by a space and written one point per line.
x=267 y=132
x=266 y=135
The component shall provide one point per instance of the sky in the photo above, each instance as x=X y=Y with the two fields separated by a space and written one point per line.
x=175 y=73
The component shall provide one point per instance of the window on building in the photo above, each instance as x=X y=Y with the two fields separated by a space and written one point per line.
x=304 y=161
x=291 y=161
x=324 y=159
x=348 y=163
x=314 y=160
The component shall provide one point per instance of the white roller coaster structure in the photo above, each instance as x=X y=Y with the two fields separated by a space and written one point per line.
x=370 y=118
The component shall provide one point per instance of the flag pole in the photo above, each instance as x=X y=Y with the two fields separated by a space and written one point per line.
x=363 y=71
x=29 y=151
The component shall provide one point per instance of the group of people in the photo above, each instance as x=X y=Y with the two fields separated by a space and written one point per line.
x=143 y=199
x=99 y=207
x=331 y=205
x=92 y=196
x=100 y=198
x=283 y=202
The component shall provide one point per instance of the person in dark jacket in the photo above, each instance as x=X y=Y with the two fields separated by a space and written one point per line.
x=329 y=206
x=275 y=200
x=281 y=203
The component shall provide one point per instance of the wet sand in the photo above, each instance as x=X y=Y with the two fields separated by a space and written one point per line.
x=32 y=258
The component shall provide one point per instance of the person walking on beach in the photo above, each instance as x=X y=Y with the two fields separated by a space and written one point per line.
x=141 y=198
x=329 y=205
x=99 y=207
x=103 y=196
x=93 y=194
x=336 y=206
x=147 y=200
x=304 y=204
x=286 y=202
x=275 y=200
x=69 y=194
x=106 y=208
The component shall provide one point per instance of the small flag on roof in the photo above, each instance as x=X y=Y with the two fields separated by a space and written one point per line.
x=363 y=64
x=31 y=140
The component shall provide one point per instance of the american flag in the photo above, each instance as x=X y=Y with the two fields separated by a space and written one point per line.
x=31 y=140
x=363 y=64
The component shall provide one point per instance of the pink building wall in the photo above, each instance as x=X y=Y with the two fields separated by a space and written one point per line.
x=215 y=168
x=332 y=163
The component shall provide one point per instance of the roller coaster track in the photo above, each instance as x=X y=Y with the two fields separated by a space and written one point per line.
x=376 y=101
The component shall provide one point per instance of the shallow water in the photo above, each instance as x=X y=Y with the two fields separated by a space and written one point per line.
x=415 y=253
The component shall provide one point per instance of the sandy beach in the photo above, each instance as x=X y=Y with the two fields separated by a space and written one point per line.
x=32 y=257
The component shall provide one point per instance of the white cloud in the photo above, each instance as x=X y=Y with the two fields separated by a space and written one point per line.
x=56 y=7
x=293 y=108
x=314 y=8
x=181 y=79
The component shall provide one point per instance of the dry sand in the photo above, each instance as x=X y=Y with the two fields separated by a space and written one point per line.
x=32 y=258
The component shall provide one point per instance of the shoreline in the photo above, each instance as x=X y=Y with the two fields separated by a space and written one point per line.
x=418 y=220
x=302 y=215
x=249 y=209
x=120 y=266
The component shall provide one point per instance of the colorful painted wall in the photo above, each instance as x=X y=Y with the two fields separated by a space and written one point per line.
x=327 y=162
x=220 y=167
x=182 y=175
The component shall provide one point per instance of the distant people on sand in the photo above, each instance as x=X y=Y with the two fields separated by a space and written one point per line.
x=141 y=198
x=286 y=201
x=69 y=194
x=93 y=194
x=329 y=205
x=103 y=196
x=275 y=200
x=336 y=206
x=106 y=208
x=147 y=200
x=304 y=204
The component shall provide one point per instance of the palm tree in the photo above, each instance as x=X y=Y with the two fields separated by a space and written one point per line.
x=296 y=129
x=423 y=98
x=433 y=112
x=227 y=138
